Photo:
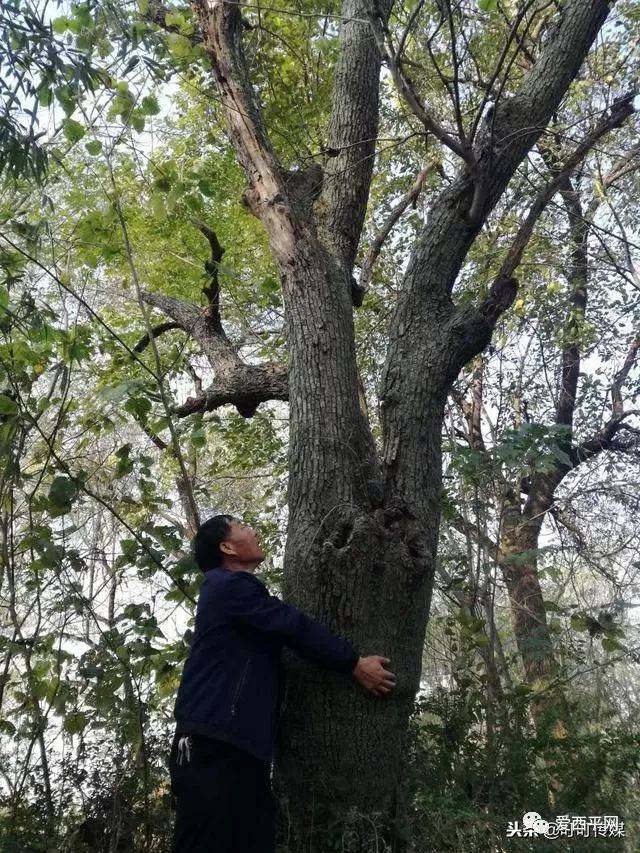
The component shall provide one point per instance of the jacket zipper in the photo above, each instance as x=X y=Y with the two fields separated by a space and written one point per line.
x=239 y=687
x=283 y=705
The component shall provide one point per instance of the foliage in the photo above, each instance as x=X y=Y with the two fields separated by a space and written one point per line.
x=470 y=778
x=112 y=155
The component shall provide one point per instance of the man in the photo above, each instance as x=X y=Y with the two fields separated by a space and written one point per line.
x=227 y=705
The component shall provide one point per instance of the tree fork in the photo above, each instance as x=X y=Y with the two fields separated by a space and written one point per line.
x=362 y=532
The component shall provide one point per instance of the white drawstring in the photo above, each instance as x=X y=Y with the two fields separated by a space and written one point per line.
x=184 y=748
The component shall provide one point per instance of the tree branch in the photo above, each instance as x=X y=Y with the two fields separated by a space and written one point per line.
x=577 y=277
x=408 y=198
x=406 y=90
x=625 y=164
x=212 y=291
x=181 y=311
x=245 y=388
x=430 y=338
x=315 y=285
x=603 y=440
x=473 y=409
x=197 y=322
x=504 y=288
x=156 y=331
x=266 y=196
x=243 y=385
x=352 y=134
x=457 y=521
x=621 y=376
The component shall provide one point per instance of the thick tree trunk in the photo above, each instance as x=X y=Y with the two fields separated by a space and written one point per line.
x=368 y=573
x=341 y=767
x=353 y=560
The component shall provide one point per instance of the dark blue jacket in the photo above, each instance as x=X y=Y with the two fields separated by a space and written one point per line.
x=230 y=684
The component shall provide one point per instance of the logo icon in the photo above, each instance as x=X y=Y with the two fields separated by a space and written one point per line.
x=577 y=826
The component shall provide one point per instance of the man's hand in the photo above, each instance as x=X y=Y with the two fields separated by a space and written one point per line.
x=371 y=673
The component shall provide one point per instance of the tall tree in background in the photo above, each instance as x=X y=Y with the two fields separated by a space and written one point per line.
x=521 y=505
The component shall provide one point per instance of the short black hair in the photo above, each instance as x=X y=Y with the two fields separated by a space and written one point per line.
x=206 y=542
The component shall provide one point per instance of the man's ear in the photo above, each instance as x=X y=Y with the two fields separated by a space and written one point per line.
x=226 y=548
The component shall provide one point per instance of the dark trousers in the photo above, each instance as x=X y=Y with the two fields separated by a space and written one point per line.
x=223 y=798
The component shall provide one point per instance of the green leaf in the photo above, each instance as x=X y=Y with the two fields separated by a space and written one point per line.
x=7 y=405
x=7 y=728
x=157 y=206
x=175 y=195
x=45 y=96
x=150 y=105
x=73 y=130
x=67 y=98
x=125 y=463
x=75 y=722
x=184 y=567
x=487 y=5
x=117 y=392
x=140 y=406
x=94 y=147
x=180 y=46
x=163 y=183
x=159 y=425
x=561 y=456
x=131 y=64
x=207 y=187
x=579 y=623
x=176 y=19
x=60 y=25
x=137 y=122
x=62 y=492
x=198 y=437
x=610 y=645
x=82 y=15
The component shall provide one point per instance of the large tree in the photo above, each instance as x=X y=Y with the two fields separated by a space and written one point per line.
x=363 y=518
x=365 y=491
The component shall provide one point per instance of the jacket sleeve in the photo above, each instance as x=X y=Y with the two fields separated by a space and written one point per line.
x=248 y=602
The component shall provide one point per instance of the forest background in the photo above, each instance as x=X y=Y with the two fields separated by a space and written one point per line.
x=365 y=276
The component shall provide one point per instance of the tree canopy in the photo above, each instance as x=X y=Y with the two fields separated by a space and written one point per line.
x=160 y=362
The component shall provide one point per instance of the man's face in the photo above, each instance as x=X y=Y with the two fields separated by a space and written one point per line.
x=241 y=545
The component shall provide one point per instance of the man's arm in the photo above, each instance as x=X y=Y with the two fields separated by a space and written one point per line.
x=249 y=603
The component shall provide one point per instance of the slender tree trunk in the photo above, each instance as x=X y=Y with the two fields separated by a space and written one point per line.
x=517 y=557
x=518 y=543
x=520 y=530
x=527 y=605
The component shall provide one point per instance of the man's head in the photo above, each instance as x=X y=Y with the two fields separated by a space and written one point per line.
x=225 y=541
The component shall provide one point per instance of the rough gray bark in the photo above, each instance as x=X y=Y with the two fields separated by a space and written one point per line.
x=353 y=132
x=362 y=530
